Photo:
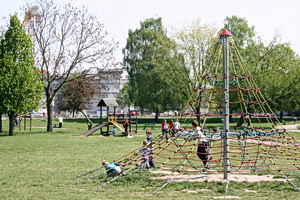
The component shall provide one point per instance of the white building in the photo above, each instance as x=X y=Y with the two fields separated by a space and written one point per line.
x=109 y=82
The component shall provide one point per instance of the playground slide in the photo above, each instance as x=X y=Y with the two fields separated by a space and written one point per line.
x=119 y=126
x=92 y=130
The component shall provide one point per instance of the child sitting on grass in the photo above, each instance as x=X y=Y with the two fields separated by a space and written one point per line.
x=149 y=136
x=112 y=169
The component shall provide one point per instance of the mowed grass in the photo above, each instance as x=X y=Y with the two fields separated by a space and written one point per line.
x=40 y=165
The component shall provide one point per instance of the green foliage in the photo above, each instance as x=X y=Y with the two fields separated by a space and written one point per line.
x=195 y=41
x=242 y=33
x=20 y=88
x=155 y=69
x=274 y=65
x=277 y=72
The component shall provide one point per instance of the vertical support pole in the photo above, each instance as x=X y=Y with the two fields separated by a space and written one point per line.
x=30 y=121
x=225 y=45
x=136 y=124
x=107 y=120
x=20 y=120
x=114 y=113
x=100 y=119
x=130 y=120
x=24 y=116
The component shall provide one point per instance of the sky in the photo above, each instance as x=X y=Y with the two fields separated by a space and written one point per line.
x=270 y=17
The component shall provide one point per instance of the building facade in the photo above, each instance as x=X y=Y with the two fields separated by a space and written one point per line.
x=109 y=83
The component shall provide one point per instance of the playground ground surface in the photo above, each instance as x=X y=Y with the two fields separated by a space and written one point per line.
x=39 y=165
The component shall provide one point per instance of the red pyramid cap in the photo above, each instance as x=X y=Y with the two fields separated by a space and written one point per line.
x=225 y=32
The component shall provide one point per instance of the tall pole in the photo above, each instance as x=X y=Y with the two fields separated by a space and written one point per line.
x=225 y=44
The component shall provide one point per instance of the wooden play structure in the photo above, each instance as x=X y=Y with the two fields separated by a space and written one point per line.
x=115 y=119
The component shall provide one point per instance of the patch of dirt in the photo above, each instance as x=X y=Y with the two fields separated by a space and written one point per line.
x=218 y=178
x=164 y=172
x=226 y=197
x=198 y=190
x=251 y=191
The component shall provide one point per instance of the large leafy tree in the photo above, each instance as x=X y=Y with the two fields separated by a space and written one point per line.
x=196 y=41
x=20 y=85
x=275 y=65
x=156 y=71
x=242 y=33
x=65 y=38
x=276 y=68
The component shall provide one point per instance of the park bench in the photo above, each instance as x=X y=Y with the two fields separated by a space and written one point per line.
x=149 y=125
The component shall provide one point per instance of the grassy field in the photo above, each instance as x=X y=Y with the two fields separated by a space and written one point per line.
x=40 y=165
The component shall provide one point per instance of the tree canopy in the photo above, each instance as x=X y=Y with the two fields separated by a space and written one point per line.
x=274 y=65
x=20 y=84
x=156 y=70
x=65 y=38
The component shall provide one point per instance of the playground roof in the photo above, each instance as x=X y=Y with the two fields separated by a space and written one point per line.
x=108 y=102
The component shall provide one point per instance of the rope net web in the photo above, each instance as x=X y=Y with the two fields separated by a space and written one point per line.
x=256 y=143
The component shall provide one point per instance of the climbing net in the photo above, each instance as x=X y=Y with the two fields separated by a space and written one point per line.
x=257 y=143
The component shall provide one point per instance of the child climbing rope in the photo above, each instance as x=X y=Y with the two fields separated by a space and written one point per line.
x=112 y=169
x=177 y=126
x=203 y=145
x=145 y=153
x=151 y=160
x=149 y=136
x=164 y=129
x=172 y=128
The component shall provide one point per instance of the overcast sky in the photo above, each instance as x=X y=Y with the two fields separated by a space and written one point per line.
x=268 y=16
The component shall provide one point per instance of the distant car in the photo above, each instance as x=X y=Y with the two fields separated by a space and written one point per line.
x=133 y=114
x=36 y=115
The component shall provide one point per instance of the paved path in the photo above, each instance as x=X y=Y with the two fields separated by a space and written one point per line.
x=290 y=127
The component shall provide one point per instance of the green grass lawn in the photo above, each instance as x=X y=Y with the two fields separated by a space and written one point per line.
x=40 y=165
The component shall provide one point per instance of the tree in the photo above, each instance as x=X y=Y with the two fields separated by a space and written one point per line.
x=268 y=62
x=242 y=33
x=20 y=85
x=276 y=68
x=154 y=68
x=195 y=41
x=77 y=94
x=64 y=40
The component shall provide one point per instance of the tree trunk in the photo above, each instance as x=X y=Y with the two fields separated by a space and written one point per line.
x=281 y=116
x=11 y=123
x=73 y=113
x=230 y=116
x=49 y=116
x=198 y=112
x=240 y=122
x=198 y=119
x=1 y=123
x=156 y=116
x=88 y=121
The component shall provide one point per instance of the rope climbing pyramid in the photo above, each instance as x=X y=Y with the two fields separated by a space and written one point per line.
x=253 y=145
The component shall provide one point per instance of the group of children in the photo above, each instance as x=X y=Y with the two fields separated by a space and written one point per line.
x=171 y=128
x=146 y=151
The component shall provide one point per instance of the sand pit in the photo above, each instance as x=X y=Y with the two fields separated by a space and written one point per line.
x=216 y=178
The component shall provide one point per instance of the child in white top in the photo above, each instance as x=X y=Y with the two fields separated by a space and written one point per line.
x=203 y=145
